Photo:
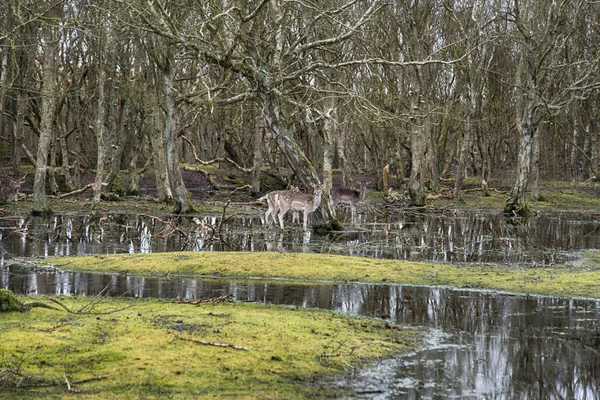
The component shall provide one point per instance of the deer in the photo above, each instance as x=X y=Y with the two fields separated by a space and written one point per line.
x=350 y=197
x=10 y=192
x=298 y=201
x=272 y=202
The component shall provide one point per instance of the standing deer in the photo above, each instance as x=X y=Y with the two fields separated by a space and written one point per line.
x=297 y=201
x=349 y=197
x=273 y=203
x=10 y=191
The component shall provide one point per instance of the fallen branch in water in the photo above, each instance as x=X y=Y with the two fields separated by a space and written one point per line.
x=207 y=343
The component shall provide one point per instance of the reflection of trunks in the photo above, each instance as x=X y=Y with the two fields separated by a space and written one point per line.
x=469 y=236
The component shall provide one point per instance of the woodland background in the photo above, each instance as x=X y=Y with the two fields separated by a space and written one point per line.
x=431 y=88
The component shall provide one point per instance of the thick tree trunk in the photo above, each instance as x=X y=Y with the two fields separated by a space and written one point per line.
x=157 y=145
x=40 y=200
x=181 y=197
x=416 y=185
x=516 y=204
x=295 y=157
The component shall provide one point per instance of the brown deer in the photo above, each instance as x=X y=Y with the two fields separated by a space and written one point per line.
x=297 y=201
x=273 y=204
x=350 y=197
x=10 y=191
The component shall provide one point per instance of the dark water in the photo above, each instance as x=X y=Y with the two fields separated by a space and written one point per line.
x=453 y=237
x=481 y=345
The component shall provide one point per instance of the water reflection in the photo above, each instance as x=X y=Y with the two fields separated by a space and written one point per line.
x=482 y=344
x=457 y=237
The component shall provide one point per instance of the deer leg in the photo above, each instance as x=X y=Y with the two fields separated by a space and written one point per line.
x=282 y=212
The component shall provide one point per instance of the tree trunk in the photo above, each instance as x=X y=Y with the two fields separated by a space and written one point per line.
x=535 y=166
x=416 y=187
x=516 y=203
x=328 y=135
x=295 y=157
x=257 y=161
x=100 y=139
x=181 y=197
x=118 y=142
x=3 y=81
x=157 y=146
x=40 y=200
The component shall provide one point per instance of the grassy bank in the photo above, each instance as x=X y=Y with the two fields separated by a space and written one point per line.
x=153 y=348
x=574 y=280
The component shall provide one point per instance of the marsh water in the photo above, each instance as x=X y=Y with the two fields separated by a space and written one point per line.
x=480 y=344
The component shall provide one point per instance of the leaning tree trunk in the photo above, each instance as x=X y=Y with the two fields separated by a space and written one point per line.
x=181 y=197
x=40 y=200
x=282 y=134
x=293 y=154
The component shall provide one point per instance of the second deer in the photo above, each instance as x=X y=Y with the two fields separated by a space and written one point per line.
x=297 y=201
x=350 y=197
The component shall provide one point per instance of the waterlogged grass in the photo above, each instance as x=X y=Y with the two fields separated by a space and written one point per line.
x=573 y=280
x=154 y=348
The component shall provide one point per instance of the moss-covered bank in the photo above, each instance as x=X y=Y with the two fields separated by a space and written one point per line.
x=573 y=280
x=164 y=349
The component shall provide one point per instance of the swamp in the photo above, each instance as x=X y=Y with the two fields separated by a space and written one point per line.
x=455 y=300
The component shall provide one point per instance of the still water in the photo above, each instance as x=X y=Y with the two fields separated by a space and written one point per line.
x=454 y=237
x=480 y=344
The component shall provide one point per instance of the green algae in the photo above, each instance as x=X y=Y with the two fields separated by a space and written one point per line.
x=179 y=350
x=567 y=280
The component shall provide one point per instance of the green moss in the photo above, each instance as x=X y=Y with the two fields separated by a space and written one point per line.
x=9 y=302
x=580 y=280
x=154 y=349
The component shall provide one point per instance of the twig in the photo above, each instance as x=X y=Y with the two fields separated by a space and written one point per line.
x=207 y=343
x=214 y=300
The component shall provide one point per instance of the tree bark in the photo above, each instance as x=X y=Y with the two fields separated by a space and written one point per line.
x=516 y=203
x=181 y=197
x=40 y=199
x=100 y=136
x=257 y=161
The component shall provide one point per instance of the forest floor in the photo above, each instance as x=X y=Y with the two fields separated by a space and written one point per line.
x=557 y=195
